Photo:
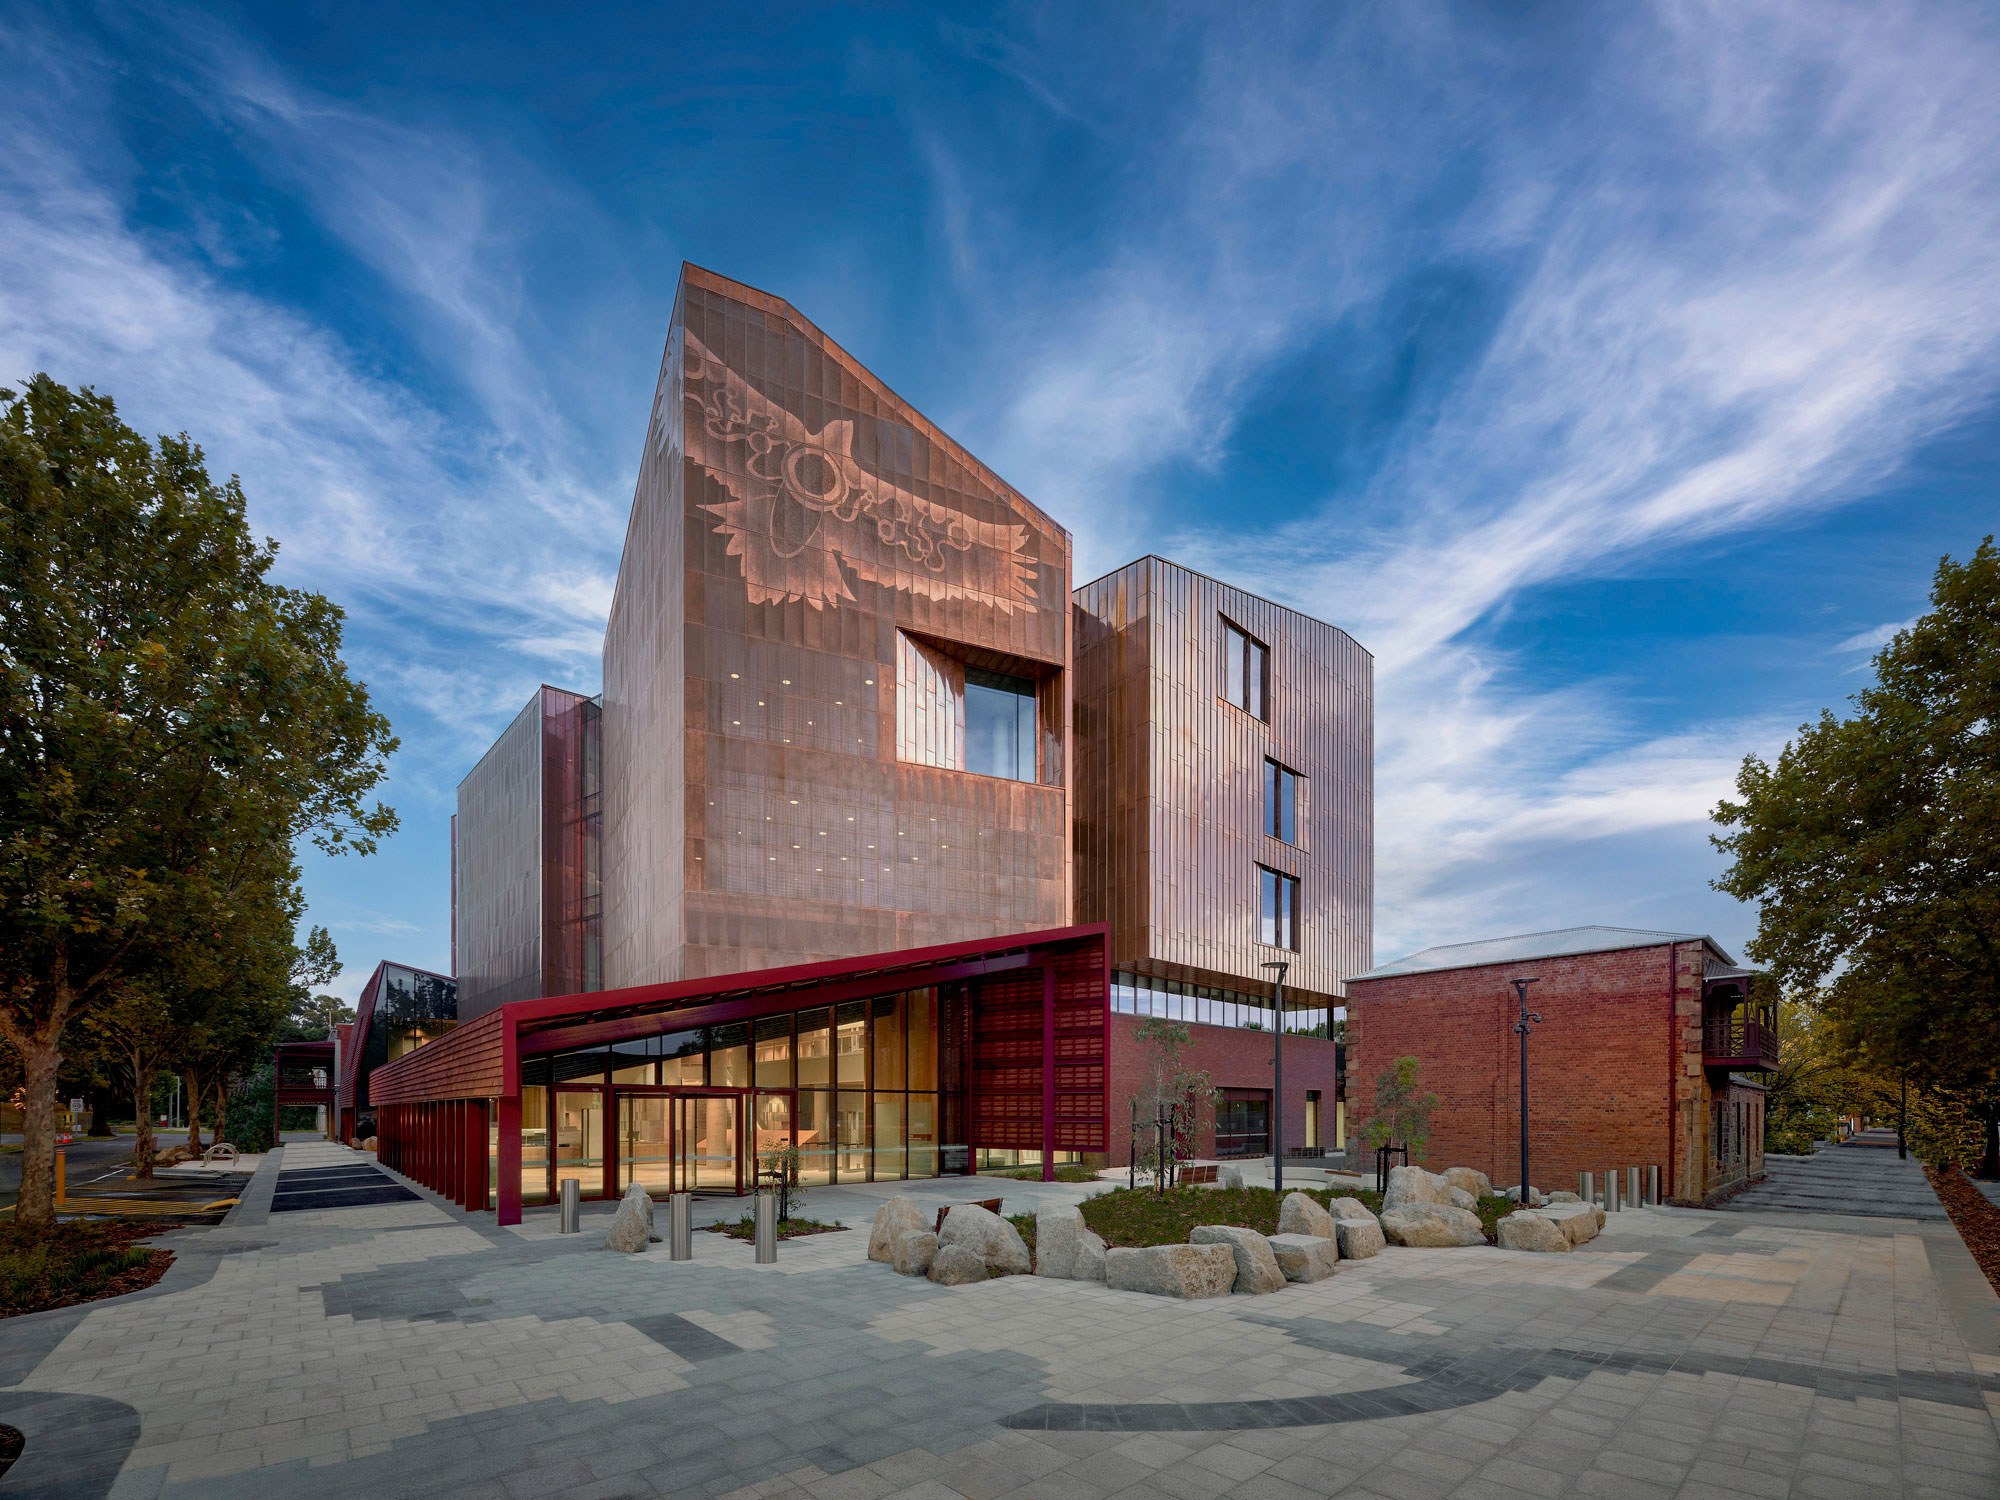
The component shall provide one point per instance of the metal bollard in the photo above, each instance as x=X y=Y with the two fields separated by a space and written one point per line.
x=1611 y=1203
x=1633 y=1196
x=1653 y=1187
x=62 y=1176
x=767 y=1227
x=1586 y=1186
x=569 y=1213
x=680 y=1227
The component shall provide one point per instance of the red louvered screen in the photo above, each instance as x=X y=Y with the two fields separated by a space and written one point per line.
x=1011 y=1018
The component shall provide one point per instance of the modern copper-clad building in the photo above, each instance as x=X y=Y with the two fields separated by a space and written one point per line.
x=823 y=608
x=838 y=766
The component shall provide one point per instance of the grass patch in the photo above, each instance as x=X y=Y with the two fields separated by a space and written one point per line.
x=1034 y=1174
x=745 y=1228
x=75 y=1262
x=1141 y=1216
x=1144 y=1217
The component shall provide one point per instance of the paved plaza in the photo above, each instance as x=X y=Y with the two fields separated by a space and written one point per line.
x=403 y=1348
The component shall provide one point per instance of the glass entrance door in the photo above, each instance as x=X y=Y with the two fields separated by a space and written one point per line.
x=708 y=1143
x=645 y=1143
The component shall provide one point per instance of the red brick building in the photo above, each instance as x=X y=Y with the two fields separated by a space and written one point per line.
x=1649 y=1053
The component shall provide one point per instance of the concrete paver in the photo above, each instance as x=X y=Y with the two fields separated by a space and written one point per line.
x=408 y=1349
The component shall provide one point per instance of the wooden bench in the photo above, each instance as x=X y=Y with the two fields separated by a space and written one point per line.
x=991 y=1205
x=1200 y=1174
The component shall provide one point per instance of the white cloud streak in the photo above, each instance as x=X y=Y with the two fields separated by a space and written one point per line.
x=1765 y=278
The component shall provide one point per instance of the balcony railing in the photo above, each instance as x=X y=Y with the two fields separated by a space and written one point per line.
x=1739 y=1042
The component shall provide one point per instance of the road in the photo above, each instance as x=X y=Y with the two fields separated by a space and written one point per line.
x=88 y=1159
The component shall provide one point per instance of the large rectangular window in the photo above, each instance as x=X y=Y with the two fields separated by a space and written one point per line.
x=1280 y=924
x=964 y=718
x=999 y=725
x=1246 y=671
x=1281 y=802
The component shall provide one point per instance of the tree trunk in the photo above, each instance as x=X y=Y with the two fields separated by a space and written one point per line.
x=194 y=1112
x=100 y=1110
x=1988 y=1169
x=41 y=1056
x=142 y=1111
x=221 y=1115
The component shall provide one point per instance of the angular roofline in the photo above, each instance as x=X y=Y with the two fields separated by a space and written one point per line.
x=534 y=701
x=1223 y=583
x=1637 y=937
x=729 y=286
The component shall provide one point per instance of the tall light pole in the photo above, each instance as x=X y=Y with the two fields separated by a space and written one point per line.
x=1521 y=1026
x=1278 y=1083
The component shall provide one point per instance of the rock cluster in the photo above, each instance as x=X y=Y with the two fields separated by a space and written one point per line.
x=957 y=1265
x=1299 y=1214
x=1256 y=1268
x=914 y=1252
x=997 y=1243
x=1064 y=1248
x=1172 y=1270
x=895 y=1218
x=1359 y=1238
x=1305 y=1257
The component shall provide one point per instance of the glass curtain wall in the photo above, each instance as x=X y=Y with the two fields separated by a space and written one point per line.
x=856 y=1084
x=1206 y=1005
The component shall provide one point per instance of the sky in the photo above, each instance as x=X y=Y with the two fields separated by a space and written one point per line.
x=1616 y=374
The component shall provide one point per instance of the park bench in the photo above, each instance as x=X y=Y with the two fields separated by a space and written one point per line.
x=1200 y=1174
x=991 y=1205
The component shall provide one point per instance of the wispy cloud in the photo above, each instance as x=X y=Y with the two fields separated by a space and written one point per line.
x=1741 y=278
x=1875 y=639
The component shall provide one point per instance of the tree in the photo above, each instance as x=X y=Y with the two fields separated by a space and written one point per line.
x=1171 y=1087
x=1872 y=850
x=1402 y=1111
x=161 y=701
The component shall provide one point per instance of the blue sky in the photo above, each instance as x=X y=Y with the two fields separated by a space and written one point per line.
x=1616 y=374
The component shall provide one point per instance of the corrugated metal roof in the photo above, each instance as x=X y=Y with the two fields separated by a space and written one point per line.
x=1529 y=946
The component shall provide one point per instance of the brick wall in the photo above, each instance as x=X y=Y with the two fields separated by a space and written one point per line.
x=1611 y=1081
x=1235 y=1059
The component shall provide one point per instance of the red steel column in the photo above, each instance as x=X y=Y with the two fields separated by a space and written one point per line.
x=508 y=1206
x=1048 y=1073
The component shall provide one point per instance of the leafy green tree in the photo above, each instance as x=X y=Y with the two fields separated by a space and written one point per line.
x=1172 y=1085
x=161 y=702
x=1813 y=1087
x=1401 y=1114
x=1872 y=850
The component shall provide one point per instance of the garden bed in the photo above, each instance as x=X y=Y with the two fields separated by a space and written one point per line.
x=1034 y=1174
x=1973 y=1214
x=75 y=1262
x=745 y=1228
x=1139 y=1216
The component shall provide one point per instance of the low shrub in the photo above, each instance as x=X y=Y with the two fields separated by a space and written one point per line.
x=75 y=1262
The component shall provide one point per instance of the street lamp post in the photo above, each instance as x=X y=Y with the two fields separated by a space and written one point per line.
x=1521 y=1026
x=1278 y=1083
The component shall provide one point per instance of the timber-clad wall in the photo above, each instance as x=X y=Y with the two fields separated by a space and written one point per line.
x=467 y=1062
x=1170 y=782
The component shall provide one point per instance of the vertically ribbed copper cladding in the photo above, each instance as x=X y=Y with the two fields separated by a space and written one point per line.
x=1170 y=782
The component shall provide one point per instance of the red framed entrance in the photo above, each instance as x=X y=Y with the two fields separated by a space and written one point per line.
x=1021 y=1047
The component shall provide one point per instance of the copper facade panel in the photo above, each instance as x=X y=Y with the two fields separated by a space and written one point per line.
x=524 y=858
x=1170 y=782
x=645 y=649
x=499 y=869
x=819 y=519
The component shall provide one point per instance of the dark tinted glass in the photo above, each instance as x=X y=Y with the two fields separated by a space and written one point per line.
x=999 y=725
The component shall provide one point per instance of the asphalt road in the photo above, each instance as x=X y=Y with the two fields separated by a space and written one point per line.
x=88 y=1159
